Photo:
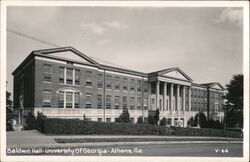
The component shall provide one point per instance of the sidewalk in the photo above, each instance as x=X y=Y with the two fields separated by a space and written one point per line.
x=35 y=139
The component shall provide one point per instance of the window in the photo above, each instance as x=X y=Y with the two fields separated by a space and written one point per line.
x=77 y=77
x=77 y=100
x=132 y=120
x=152 y=101
x=61 y=99
x=132 y=103
x=124 y=102
x=132 y=85
x=117 y=102
x=108 y=102
x=69 y=76
x=99 y=119
x=125 y=84
x=99 y=101
x=139 y=85
x=145 y=87
x=88 y=101
x=46 y=98
x=109 y=82
x=61 y=75
x=108 y=120
x=117 y=83
x=145 y=103
x=88 y=83
x=100 y=81
x=47 y=72
x=69 y=97
x=138 y=103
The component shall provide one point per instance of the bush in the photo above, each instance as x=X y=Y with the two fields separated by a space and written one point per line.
x=140 y=120
x=31 y=122
x=124 y=117
x=76 y=126
x=163 y=121
x=40 y=121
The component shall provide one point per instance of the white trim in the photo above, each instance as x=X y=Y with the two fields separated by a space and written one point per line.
x=118 y=73
x=85 y=66
x=100 y=70
x=216 y=90
x=173 y=81
x=50 y=60
x=199 y=87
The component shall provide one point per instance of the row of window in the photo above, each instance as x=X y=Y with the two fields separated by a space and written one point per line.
x=72 y=100
x=71 y=76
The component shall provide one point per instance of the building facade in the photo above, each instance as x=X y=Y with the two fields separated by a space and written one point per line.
x=65 y=83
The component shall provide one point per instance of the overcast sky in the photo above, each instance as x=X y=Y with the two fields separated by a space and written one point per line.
x=206 y=43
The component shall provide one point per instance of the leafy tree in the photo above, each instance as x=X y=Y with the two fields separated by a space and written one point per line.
x=150 y=119
x=202 y=120
x=163 y=121
x=156 y=117
x=191 y=122
x=140 y=120
x=9 y=111
x=124 y=117
x=39 y=121
x=234 y=113
x=31 y=122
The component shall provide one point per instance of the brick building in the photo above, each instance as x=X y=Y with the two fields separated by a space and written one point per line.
x=65 y=83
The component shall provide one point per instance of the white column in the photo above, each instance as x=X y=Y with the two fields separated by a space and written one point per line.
x=171 y=97
x=177 y=98
x=73 y=77
x=157 y=94
x=189 y=98
x=65 y=77
x=164 y=96
x=183 y=98
x=73 y=100
x=64 y=96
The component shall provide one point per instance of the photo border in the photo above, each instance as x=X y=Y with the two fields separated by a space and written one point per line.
x=3 y=47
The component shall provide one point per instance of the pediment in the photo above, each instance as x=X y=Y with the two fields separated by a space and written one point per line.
x=69 y=55
x=175 y=74
x=217 y=86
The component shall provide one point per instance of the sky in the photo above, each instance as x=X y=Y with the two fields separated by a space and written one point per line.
x=205 y=42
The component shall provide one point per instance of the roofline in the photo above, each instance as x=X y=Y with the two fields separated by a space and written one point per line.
x=169 y=70
x=28 y=58
x=61 y=49
x=117 y=69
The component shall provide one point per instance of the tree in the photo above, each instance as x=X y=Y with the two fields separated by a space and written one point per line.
x=163 y=121
x=156 y=117
x=9 y=111
x=234 y=104
x=150 y=119
x=124 y=117
x=140 y=120
x=191 y=122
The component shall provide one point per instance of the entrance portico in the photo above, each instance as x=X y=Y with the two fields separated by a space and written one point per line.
x=172 y=95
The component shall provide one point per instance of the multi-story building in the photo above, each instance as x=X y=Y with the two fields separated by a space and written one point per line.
x=65 y=83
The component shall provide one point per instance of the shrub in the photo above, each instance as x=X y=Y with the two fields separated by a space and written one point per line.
x=140 y=120
x=124 y=117
x=76 y=126
x=40 y=121
x=150 y=119
x=163 y=121
x=31 y=122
